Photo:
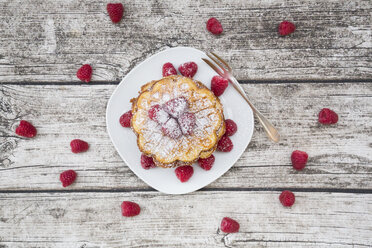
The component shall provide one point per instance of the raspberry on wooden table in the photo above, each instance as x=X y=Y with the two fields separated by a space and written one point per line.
x=219 y=85
x=231 y=127
x=125 y=119
x=287 y=198
x=26 y=129
x=188 y=69
x=147 y=162
x=214 y=26
x=115 y=11
x=327 y=116
x=78 y=145
x=225 y=144
x=286 y=28
x=206 y=163
x=299 y=159
x=229 y=225
x=130 y=209
x=184 y=173
x=67 y=177
x=168 y=69
x=85 y=73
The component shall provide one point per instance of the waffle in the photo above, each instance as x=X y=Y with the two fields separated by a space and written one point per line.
x=171 y=152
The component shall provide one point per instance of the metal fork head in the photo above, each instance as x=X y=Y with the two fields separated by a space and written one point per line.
x=222 y=64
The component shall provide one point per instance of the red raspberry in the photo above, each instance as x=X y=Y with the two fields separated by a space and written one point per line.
x=171 y=129
x=84 y=73
x=78 y=146
x=184 y=173
x=156 y=113
x=67 y=177
x=26 y=129
x=115 y=11
x=187 y=122
x=214 y=26
x=206 y=163
x=130 y=209
x=188 y=69
x=168 y=69
x=225 y=144
x=299 y=159
x=153 y=111
x=229 y=225
x=126 y=118
x=287 y=198
x=231 y=127
x=327 y=116
x=176 y=106
x=219 y=85
x=286 y=28
x=147 y=162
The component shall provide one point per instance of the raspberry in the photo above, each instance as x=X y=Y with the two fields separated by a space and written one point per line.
x=115 y=11
x=184 y=173
x=229 y=225
x=206 y=163
x=171 y=129
x=26 y=129
x=126 y=118
x=67 y=177
x=214 y=26
x=187 y=122
x=176 y=106
x=231 y=127
x=327 y=116
x=299 y=159
x=156 y=113
x=286 y=28
x=225 y=144
x=84 y=73
x=168 y=69
x=287 y=198
x=219 y=85
x=147 y=162
x=188 y=69
x=78 y=146
x=130 y=209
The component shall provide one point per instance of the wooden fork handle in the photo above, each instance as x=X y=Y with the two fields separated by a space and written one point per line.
x=270 y=130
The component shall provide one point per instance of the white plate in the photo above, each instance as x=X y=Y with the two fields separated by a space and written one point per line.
x=124 y=139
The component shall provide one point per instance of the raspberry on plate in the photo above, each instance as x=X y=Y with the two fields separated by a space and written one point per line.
x=225 y=144
x=187 y=122
x=231 y=127
x=327 y=116
x=26 y=129
x=206 y=163
x=85 y=73
x=219 y=85
x=188 y=69
x=171 y=129
x=67 y=177
x=287 y=198
x=130 y=209
x=147 y=162
x=214 y=26
x=168 y=69
x=229 y=225
x=125 y=119
x=115 y=11
x=299 y=159
x=176 y=106
x=184 y=173
x=286 y=28
x=157 y=114
x=78 y=145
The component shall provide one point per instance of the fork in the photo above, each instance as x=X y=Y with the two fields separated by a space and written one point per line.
x=224 y=70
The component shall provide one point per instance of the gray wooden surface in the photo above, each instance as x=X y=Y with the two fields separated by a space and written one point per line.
x=327 y=62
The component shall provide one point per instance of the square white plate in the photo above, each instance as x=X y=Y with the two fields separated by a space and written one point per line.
x=165 y=180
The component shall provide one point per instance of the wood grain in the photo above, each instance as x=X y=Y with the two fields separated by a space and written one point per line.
x=47 y=41
x=94 y=220
x=339 y=155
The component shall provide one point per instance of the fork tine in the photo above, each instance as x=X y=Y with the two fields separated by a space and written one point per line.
x=223 y=61
x=217 y=62
x=213 y=66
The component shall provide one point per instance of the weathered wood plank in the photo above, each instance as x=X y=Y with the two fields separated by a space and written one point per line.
x=340 y=155
x=94 y=220
x=46 y=41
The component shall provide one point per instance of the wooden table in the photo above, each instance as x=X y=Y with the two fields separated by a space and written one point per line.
x=327 y=62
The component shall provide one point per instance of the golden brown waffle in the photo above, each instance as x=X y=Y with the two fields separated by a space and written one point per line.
x=209 y=127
